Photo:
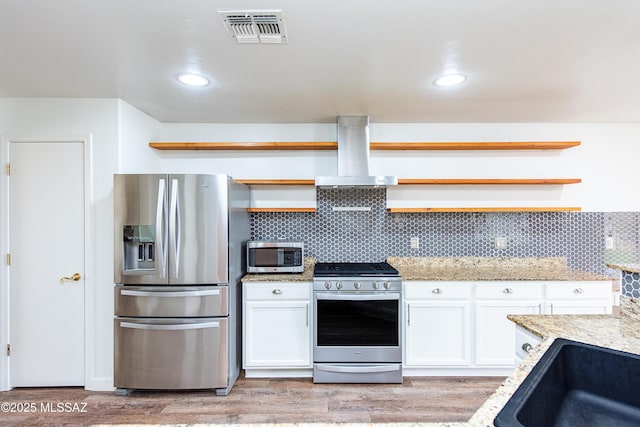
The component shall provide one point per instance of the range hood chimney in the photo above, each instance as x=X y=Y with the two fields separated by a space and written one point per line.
x=353 y=157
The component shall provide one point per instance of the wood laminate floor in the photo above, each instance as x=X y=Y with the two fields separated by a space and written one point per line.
x=418 y=399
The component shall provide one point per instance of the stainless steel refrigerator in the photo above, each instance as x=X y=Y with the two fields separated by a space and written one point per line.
x=180 y=242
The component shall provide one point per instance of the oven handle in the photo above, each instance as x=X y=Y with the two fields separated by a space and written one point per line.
x=356 y=369
x=375 y=296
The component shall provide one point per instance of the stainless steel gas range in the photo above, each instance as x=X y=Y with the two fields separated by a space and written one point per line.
x=357 y=336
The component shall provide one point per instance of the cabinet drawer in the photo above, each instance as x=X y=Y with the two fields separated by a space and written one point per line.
x=509 y=290
x=147 y=352
x=171 y=301
x=579 y=290
x=437 y=290
x=277 y=291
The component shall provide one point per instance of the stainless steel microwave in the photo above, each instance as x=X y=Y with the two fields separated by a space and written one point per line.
x=275 y=257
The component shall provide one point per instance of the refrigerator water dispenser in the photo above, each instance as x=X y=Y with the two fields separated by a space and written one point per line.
x=139 y=248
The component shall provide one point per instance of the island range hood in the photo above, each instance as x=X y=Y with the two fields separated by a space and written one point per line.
x=353 y=157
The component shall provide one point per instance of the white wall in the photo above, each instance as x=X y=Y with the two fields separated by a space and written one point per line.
x=255 y=164
x=137 y=129
x=599 y=162
x=107 y=124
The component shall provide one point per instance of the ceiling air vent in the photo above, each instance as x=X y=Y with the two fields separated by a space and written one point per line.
x=255 y=26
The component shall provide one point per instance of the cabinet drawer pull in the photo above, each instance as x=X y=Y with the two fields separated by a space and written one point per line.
x=507 y=290
x=527 y=347
x=437 y=291
x=277 y=291
x=578 y=291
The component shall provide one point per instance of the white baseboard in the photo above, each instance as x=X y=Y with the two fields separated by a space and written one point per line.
x=100 y=384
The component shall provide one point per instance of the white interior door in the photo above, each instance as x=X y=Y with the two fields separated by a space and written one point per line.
x=46 y=235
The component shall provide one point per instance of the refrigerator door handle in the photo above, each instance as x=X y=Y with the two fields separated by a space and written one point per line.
x=176 y=327
x=177 y=294
x=161 y=235
x=174 y=230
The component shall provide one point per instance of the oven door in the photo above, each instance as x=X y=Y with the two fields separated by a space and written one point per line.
x=361 y=327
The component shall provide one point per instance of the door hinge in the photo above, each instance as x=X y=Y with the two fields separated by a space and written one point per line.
x=8 y=349
x=8 y=259
x=8 y=168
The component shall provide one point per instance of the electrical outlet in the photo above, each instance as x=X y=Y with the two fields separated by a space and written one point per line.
x=415 y=243
x=609 y=243
x=500 y=243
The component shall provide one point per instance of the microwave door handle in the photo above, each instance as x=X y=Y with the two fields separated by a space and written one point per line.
x=174 y=230
x=161 y=235
x=336 y=296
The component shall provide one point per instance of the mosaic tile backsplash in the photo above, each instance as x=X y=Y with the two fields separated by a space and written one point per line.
x=586 y=239
x=630 y=284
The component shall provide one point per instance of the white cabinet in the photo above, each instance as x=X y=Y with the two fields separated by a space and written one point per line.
x=525 y=342
x=277 y=328
x=494 y=333
x=437 y=324
x=578 y=298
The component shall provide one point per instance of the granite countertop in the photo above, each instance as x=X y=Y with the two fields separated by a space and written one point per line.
x=619 y=332
x=633 y=268
x=305 y=276
x=459 y=269
x=485 y=268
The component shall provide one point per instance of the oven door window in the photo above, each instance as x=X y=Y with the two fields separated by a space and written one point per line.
x=357 y=323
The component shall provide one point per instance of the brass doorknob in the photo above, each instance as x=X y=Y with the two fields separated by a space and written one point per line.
x=75 y=277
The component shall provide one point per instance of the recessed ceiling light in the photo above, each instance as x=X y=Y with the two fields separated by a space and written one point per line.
x=191 y=79
x=450 y=80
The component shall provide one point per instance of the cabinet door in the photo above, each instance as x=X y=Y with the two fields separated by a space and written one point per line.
x=495 y=334
x=277 y=334
x=438 y=333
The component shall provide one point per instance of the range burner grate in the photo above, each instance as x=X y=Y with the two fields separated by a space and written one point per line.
x=323 y=269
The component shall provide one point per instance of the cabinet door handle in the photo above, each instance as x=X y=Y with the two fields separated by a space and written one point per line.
x=437 y=291
x=507 y=290
x=307 y=313
x=578 y=291
x=527 y=347
x=540 y=308
x=409 y=314
x=551 y=307
x=277 y=292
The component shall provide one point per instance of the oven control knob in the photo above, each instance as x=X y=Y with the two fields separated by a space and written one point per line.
x=386 y=285
x=327 y=285
x=339 y=285
x=356 y=285
x=376 y=285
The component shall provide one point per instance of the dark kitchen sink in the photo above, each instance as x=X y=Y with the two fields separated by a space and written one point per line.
x=577 y=384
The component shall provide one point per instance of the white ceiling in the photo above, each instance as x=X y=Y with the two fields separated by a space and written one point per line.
x=526 y=60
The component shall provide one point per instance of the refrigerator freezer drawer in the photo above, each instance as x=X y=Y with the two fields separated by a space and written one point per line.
x=171 y=301
x=171 y=354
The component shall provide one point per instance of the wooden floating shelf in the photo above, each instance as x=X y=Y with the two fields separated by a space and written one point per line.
x=532 y=145
x=431 y=181
x=333 y=145
x=489 y=181
x=276 y=181
x=493 y=209
x=330 y=145
x=281 y=209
